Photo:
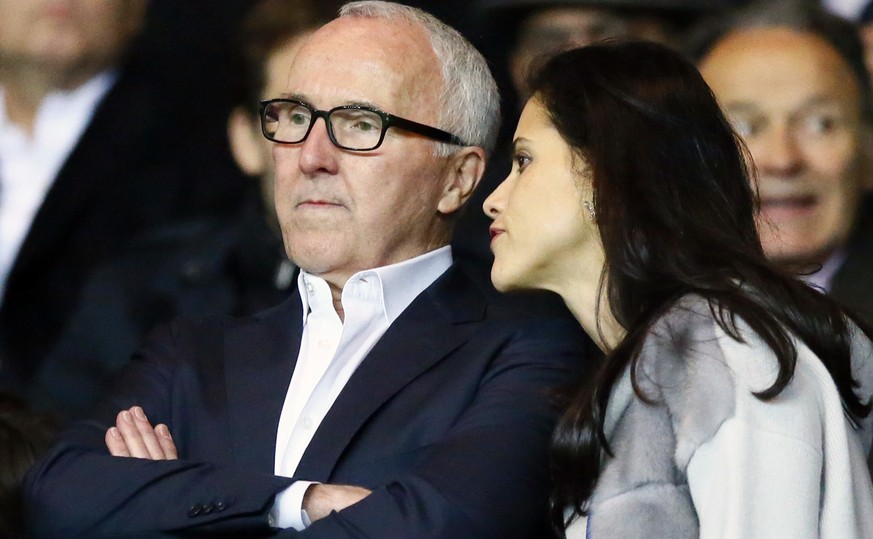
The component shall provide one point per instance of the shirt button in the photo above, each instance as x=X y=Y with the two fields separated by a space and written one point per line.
x=323 y=344
x=307 y=423
x=310 y=288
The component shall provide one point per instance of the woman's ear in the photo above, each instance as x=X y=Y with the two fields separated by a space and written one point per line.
x=465 y=170
x=245 y=144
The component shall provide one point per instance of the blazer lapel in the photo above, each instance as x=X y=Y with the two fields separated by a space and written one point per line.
x=260 y=357
x=419 y=338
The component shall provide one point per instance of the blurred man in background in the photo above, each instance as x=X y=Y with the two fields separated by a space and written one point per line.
x=95 y=147
x=792 y=79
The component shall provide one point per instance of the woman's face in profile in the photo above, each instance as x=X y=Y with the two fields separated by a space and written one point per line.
x=542 y=233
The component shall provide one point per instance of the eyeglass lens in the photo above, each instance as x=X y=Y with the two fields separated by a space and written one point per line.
x=352 y=128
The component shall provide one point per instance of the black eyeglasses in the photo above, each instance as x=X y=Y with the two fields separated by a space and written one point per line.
x=351 y=127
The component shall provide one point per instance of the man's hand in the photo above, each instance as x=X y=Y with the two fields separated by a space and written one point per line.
x=134 y=436
x=320 y=500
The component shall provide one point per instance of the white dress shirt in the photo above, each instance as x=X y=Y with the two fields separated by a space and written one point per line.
x=331 y=350
x=29 y=164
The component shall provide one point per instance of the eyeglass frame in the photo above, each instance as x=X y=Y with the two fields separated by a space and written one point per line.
x=388 y=120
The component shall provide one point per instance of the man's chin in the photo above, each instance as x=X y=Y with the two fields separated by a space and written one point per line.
x=801 y=261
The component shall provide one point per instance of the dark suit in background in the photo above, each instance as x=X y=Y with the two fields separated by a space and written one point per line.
x=233 y=266
x=852 y=284
x=152 y=153
x=448 y=420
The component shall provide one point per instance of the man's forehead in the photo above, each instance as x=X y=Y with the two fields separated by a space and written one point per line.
x=779 y=59
x=355 y=60
x=367 y=37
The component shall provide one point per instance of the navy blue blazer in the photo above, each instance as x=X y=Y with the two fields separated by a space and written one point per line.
x=448 y=420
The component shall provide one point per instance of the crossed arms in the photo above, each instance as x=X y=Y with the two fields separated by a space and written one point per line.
x=460 y=451
x=134 y=436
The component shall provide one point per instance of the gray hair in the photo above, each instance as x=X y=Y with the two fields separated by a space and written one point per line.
x=470 y=100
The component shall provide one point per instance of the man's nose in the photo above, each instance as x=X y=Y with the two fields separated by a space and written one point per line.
x=317 y=153
x=777 y=151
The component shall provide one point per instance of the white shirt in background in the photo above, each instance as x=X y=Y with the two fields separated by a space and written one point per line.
x=29 y=164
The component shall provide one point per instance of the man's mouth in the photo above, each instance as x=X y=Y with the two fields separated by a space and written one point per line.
x=787 y=207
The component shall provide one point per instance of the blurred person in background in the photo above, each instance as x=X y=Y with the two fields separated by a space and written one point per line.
x=95 y=147
x=865 y=21
x=538 y=28
x=544 y=27
x=24 y=436
x=791 y=78
x=234 y=265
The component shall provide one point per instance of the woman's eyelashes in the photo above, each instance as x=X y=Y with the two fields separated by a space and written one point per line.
x=520 y=160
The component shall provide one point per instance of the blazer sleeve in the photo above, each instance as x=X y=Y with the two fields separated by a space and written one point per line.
x=79 y=490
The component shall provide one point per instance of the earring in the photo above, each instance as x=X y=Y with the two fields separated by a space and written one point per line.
x=590 y=207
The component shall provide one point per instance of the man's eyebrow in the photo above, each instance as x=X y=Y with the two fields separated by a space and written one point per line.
x=741 y=106
x=367 y=104
x=350 y=103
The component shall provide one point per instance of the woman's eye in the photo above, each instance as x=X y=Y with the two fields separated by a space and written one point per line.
x=520 y=161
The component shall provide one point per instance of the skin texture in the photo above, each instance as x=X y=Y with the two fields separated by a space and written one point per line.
x=59 y=44
x=341 y=211
x=796 y=104
x=542 y=235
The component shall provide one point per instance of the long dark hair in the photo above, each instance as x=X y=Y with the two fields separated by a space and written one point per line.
x=675 y=207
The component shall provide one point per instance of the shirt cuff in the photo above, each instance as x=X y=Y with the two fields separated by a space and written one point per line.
x=287 y=510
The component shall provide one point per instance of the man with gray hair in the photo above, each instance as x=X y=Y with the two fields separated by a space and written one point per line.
x=389 y=396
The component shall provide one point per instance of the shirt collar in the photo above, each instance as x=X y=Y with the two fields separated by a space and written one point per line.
x=822 y=278
x=62 y=113
x=394 y=287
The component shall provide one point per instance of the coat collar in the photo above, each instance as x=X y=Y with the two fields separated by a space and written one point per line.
x=261 y=357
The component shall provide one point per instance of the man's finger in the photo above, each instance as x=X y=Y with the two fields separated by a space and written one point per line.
x=115 y=443
x=125 y=424
x=147 y=433
x=166 y=441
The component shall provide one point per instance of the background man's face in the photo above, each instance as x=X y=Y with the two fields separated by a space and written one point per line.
x=342 y=211
x=551 y=30
x=63 y=34
x=796 y=104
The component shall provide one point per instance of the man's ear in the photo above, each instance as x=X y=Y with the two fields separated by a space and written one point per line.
x=245 y=143
x=466 y=168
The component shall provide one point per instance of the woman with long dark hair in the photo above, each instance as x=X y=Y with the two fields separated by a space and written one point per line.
x=734 y=399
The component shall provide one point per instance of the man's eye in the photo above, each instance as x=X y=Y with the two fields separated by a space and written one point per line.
x=747 y=127
x=298 y=118
x=364 y=125
x=820 y=124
